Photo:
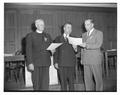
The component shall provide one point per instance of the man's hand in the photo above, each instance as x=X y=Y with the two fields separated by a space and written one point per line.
x=56 y=65
x=31 y=67
x=75 y=47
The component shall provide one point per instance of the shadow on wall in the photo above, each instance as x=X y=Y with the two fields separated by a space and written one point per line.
x=33 y=27
x=23 y=42
x=83 y=28
x=62 y=29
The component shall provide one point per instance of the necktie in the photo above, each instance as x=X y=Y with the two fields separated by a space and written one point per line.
x=66 y=39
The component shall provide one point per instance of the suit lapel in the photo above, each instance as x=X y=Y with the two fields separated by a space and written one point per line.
x=91 y=35
x=62 y=38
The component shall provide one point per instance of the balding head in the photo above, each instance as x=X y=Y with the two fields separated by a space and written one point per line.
x=39 y=23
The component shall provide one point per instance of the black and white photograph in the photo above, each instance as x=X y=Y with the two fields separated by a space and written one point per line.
x=60 y=47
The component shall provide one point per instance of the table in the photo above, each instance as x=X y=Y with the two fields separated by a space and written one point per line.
x=17 y=60
x=110 y=54
x=14 y=58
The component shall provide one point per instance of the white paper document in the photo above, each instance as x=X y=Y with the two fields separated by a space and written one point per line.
x=54 y=46
x=75 y=41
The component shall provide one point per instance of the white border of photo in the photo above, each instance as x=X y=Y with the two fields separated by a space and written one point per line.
x=51 y=93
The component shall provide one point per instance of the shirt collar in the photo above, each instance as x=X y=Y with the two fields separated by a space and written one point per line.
x=90 y=32
x=39 y=31
x=65 y=35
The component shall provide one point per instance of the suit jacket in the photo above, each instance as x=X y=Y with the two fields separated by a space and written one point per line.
x=92 y=54
x=65 y=54
x=36 y=45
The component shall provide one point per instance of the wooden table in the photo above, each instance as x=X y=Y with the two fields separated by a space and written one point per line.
x=110 y=54
x=9 y=60
x=14 y=58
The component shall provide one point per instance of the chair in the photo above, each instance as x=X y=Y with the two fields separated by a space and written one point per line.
x=14 y=67
x=10 y=71
x=21 y=66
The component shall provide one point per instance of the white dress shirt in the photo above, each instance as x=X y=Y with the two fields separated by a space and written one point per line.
x=65 y=36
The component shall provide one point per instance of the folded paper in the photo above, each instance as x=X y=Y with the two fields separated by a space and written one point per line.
x=53 y=46
x=75 y=41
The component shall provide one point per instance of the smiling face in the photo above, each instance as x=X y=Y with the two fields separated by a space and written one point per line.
x=40 y=24
x=88 y=25
x=67 y=29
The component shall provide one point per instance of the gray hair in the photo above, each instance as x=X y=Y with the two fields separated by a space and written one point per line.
x=38 y=20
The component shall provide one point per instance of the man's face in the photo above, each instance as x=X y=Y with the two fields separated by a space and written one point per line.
x=68 y=29
x=88 y=25
x=40 y=25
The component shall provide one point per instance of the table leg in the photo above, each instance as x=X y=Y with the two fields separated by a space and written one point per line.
x=106 y=64
x=115 y=60
x=76 y=68
x=24 y=72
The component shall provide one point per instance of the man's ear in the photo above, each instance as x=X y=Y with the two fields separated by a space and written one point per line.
x=35 y=25
x=92 y=24
x=64 y=28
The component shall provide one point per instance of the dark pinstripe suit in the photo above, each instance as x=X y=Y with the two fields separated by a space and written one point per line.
x=66 y=59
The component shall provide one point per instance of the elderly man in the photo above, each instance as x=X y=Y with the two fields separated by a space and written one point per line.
x=65 y=59
x=38 y=58
x=92 y=57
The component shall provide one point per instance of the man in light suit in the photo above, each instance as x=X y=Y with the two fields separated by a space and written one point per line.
x=65 y=59
x=91 y=57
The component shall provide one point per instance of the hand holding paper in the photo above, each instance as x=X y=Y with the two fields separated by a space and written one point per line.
x=76 y=41
x=75 y=47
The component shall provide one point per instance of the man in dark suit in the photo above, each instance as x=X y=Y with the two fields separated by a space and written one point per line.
x=38 y=58
x=92 y=57
x=65 y=59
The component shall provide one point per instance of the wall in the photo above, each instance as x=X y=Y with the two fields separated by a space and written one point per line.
x=18 y=20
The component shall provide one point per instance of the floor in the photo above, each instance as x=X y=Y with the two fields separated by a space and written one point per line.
x=110 y=84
